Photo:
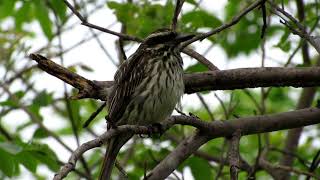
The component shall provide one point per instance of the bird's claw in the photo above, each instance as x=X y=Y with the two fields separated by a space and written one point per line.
x=110 y=123
x=156 y=128
x=153 y=129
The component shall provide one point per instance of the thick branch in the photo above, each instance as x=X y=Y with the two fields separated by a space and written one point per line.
x=207 y=131
x=249 y=125
x=252 y=78
x=216 y=80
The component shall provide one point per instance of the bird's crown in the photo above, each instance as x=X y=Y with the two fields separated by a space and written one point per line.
x=165 y=36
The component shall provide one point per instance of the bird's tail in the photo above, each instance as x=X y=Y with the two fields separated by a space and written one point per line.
x=114 y=146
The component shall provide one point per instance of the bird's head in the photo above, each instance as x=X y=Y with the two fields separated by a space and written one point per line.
x=166 y=37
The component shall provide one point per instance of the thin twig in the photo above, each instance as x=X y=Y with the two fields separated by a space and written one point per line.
x=34 y=118
x=223 y=159
x=234 y=155
x=264 y=17
x=205 y=105
x=275 y=169
x=85 y=23
x=177 y=10
x=225 y=111
x=93 y=115
x=315 y=163
x=5 y=133
x=121 y=170
x=255 y=102
x=234 y=21
x=96 y=37
x=300 y=31
x=200 y=58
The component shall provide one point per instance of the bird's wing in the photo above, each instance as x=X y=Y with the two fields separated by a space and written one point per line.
x=129 y=75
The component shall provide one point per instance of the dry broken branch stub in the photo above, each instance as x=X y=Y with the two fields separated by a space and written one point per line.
x=87 y=88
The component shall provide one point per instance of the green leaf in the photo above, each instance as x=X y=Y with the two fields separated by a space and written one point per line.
x=193 y=2
x=43 y=99
x=284 y=44
x=199 y=19
x=24 y=125
x=123 y=11
x=10 y=148
x=28 y=160
x=200 y=168
x=198 y=67
x=40 y=133
x=232 y=9
x=35 y=109
x=6 y=8
x=11 y=103
x=86 y=68
x=8 y=163
x=244 y=37
x=23 y=14
x=42 y=14
x=44 y=154
x=60 y=8
x=75 y=110
x=140 y=17
x=279 y=100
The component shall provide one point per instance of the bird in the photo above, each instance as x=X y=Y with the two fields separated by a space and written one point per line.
x=147 y=87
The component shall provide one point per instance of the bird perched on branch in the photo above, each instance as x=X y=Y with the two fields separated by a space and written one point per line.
x=147 y=88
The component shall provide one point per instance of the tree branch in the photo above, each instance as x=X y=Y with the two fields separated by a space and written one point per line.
x=251 y=78
x=194 y=54
x=234 y=155
x=195 y=82
x=87 y=88
x=247 y=126
x=206 y=132
x=177 y=10
x=300 y=30
x=276 y=170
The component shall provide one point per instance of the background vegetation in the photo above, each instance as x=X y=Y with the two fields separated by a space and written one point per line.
x=32 y=146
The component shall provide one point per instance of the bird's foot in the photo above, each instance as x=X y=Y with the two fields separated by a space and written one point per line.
x=110 y=123
x=156 y=128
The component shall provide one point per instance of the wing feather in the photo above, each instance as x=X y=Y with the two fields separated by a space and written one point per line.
x=128 y=77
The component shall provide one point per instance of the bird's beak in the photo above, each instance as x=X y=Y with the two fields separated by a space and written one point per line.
x=183 y=37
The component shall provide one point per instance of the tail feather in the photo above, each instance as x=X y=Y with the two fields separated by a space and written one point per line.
x=113 y=148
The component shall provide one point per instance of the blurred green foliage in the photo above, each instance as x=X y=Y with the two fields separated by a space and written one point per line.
x=140 y=18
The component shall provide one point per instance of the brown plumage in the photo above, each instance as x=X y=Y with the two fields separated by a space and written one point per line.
x=147 y=87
